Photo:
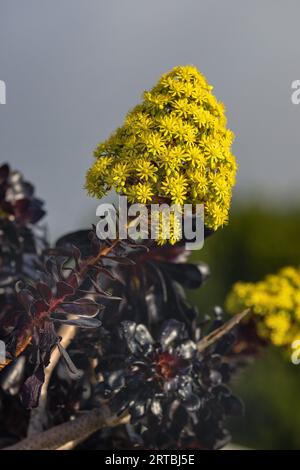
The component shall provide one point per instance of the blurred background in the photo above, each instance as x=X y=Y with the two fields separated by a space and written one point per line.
x=72 y=70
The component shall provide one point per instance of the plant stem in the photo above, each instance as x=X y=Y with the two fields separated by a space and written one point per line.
x=77 y=429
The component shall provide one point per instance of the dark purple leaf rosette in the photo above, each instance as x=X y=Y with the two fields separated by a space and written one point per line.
x=171 y=390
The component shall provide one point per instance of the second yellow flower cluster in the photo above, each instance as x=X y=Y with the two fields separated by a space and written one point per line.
x=275 y=302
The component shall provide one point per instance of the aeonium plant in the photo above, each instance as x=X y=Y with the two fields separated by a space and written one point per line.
x=22 y=242
x=106 y=327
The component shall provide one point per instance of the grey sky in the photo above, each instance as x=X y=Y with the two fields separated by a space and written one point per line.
x=74 y=67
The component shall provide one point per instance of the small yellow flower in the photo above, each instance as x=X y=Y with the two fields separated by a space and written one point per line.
x=157 y=100
x=146 y=170
x=172 y=158
x=97 y=177
x=140 y=121
x=219 y=186
x=199 y=187
x=213 y=151
x=181 y=107
x=154 y=143
x=175 y=87
x=217 y=215
x=143 y=193
x=168 y=228
x=168 y=125
x=189 y=73
x=186 y=132
x=178 y=195
x=196 y=157
x=120 y=173
x=172 y=181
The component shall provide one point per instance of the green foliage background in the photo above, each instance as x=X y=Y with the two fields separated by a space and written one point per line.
x=257 y=242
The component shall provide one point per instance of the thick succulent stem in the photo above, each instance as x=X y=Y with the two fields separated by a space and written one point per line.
x=38 y=415
x=77 y=429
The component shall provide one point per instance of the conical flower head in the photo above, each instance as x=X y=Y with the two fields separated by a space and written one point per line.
x=174 y=145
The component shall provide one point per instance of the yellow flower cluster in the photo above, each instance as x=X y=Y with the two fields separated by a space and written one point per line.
x=173 y=145
x=275 y=302
x=168 y=227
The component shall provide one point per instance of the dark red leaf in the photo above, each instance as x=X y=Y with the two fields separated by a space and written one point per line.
x=44 y=291
x=63 y=290
x=31 y=389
